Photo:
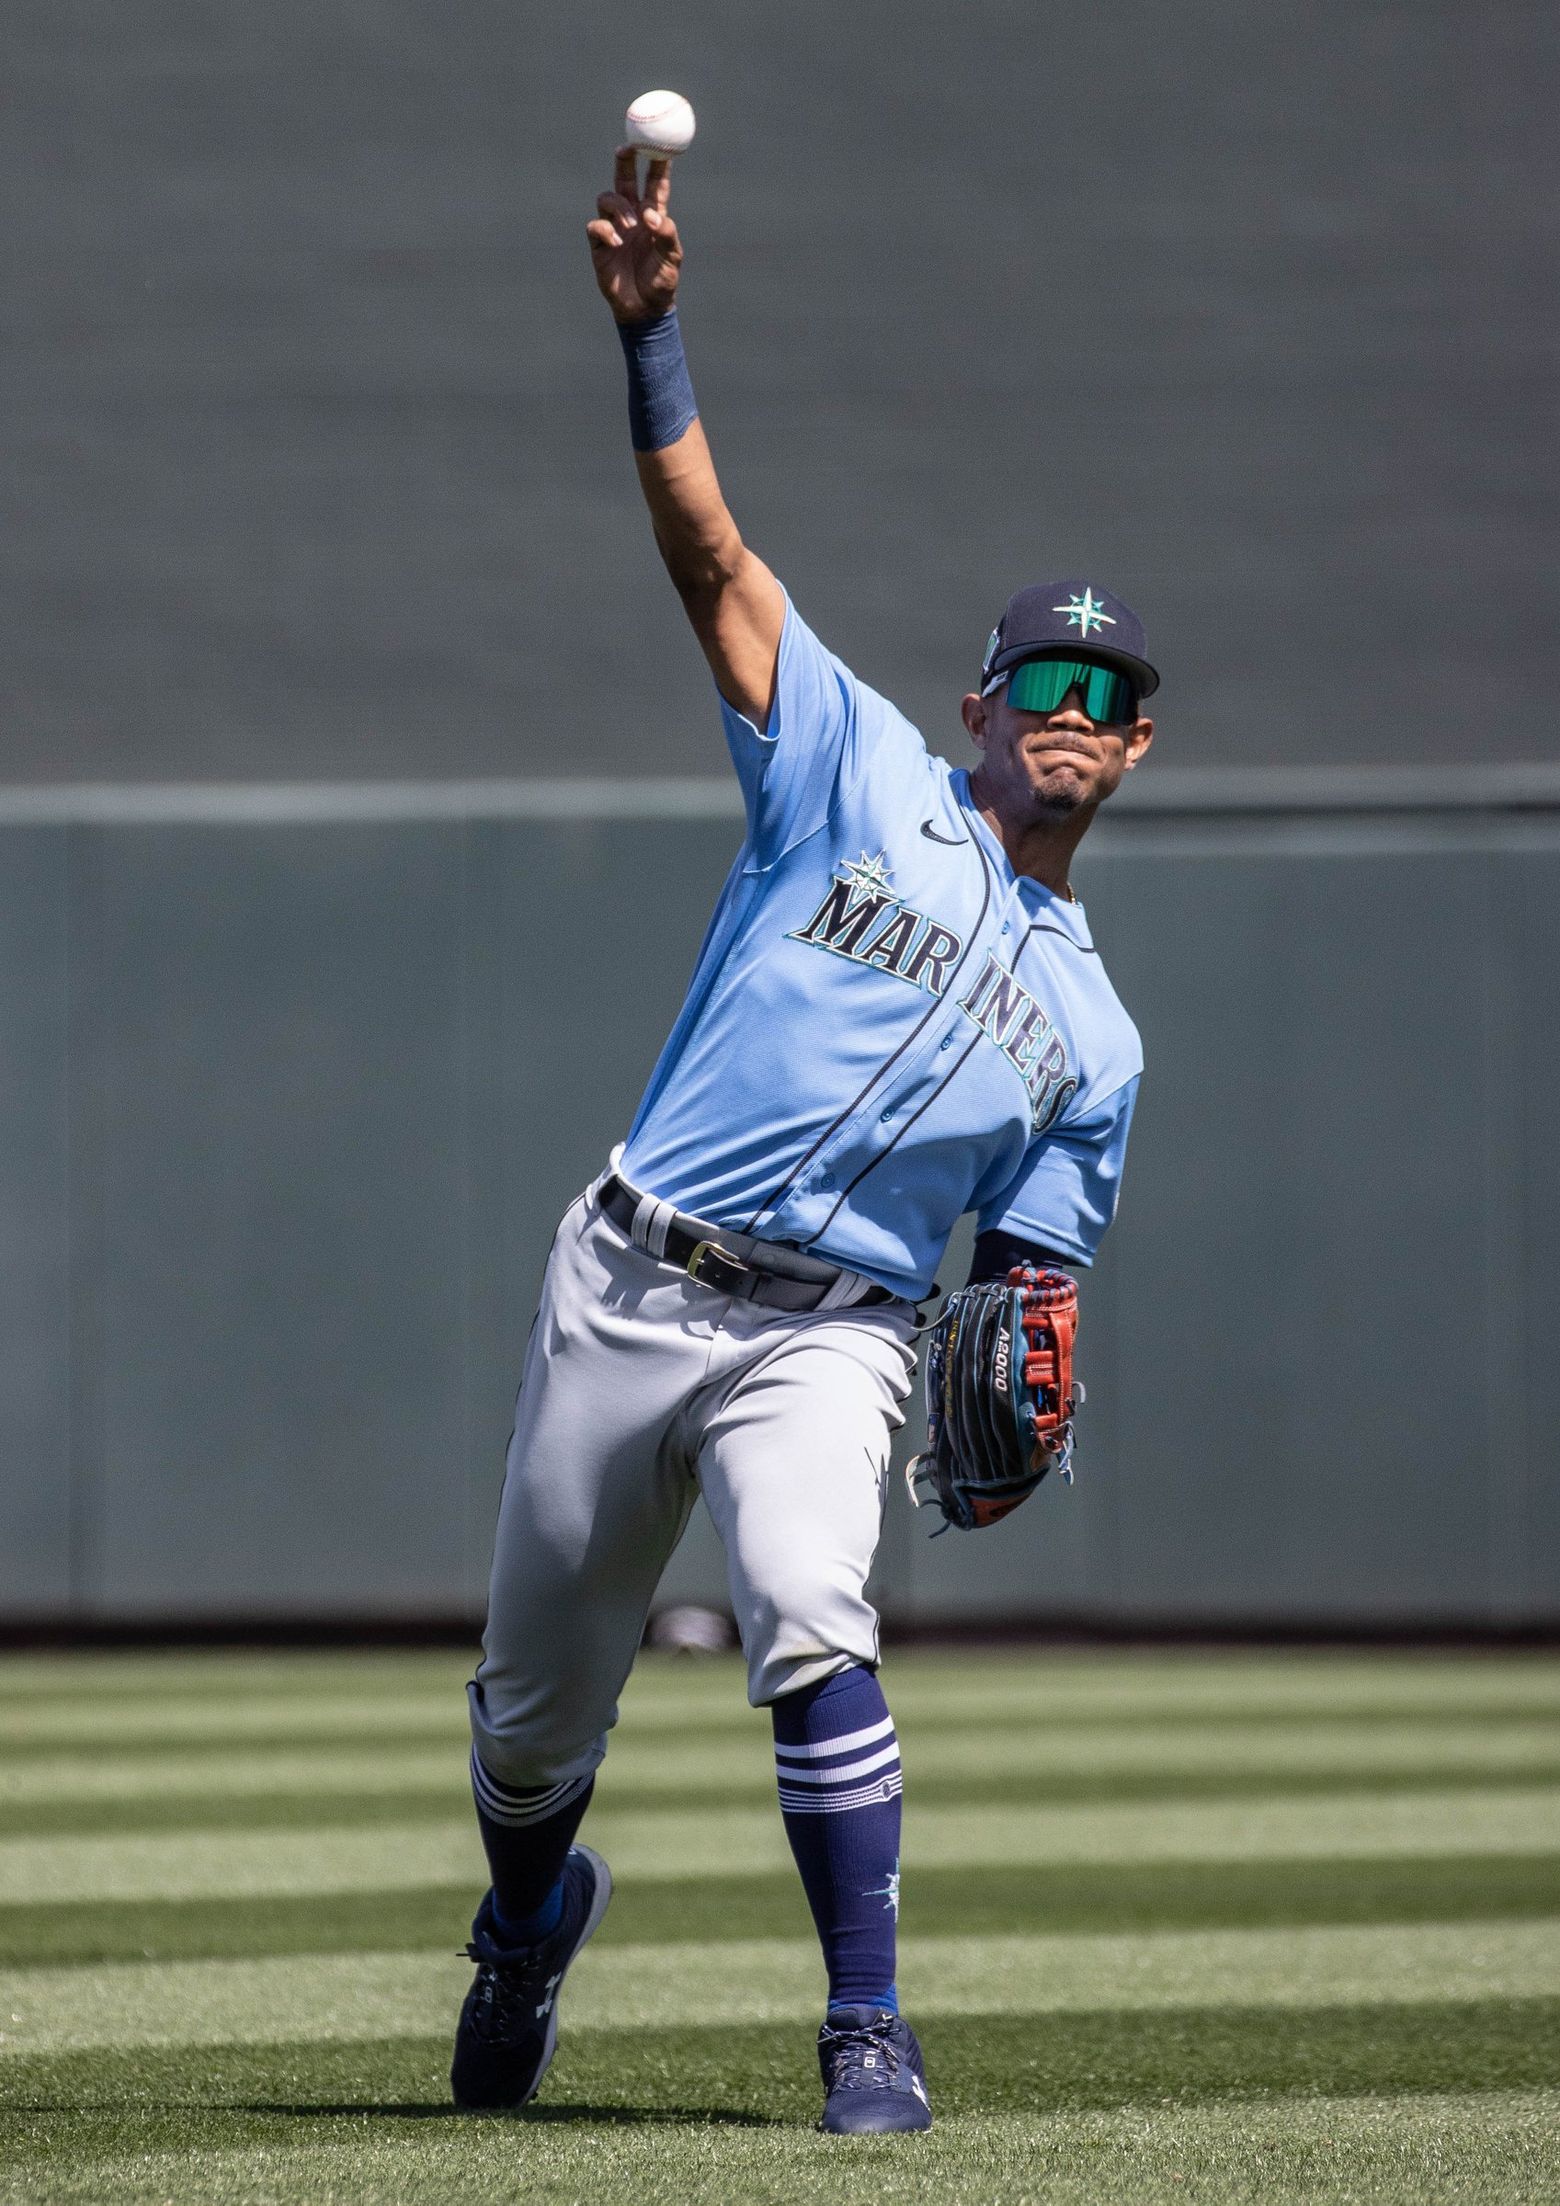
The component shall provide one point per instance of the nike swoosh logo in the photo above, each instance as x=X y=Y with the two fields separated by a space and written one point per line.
x=955 y=842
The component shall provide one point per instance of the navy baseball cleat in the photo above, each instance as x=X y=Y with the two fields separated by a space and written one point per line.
x=872 y=2072
x=508 y=2028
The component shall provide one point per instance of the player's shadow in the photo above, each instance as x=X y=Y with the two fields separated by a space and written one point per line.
x=441 y=2111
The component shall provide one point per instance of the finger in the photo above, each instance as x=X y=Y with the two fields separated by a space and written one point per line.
x=624 y=212
x=603 y=237
x=658 y=183
x=663 y=235
x=625 y=173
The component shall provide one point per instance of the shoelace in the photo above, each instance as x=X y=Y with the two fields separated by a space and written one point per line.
x=854 y=2055
x=505 y=2003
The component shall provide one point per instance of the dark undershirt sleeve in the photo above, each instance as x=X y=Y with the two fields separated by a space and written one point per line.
x=997 y=1252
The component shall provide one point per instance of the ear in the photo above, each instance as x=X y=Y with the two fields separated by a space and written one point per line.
x=973 y=713
x=1139 y=737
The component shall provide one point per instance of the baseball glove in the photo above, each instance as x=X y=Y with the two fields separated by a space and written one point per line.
x=1000 y=1396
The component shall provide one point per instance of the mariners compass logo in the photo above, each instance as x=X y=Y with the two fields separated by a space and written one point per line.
x=1087 y=611
x=869 y=875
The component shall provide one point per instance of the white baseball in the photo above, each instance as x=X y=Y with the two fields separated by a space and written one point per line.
x=660 y=124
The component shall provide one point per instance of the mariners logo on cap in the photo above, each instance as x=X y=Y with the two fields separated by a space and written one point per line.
x=1086 y=611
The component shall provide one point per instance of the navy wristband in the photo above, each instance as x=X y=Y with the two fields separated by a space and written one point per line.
x=660 y=396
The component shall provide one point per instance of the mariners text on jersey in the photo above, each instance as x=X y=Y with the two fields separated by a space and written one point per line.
x=886 y=1026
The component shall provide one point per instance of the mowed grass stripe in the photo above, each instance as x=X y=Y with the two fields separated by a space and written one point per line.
x=737 y=1728
x=982 y=1751
x=676 y=1846
x=345 y=1811
x=1333 y=2152
x=1166 y=1679
x=999 y=1901
x=232 y=1724
x=182 y=1672
x=324 y=1996
x=1040 y=1686
x=351 y=1728
x=164 y=1672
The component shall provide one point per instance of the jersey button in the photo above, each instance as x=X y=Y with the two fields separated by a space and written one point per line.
x=1007 y=926
x=825 y=1179
x=887 y=1118
x=947 y=1042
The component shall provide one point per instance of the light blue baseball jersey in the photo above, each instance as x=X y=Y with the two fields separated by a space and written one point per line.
x=886 y=1027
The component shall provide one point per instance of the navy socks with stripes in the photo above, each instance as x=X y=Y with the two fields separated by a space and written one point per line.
x=837 y=1766
x=527 y=1836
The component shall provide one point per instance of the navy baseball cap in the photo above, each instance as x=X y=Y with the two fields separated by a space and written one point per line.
x=1048 y=616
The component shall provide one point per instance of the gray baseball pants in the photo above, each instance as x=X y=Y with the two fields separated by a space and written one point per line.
x=641 y=1389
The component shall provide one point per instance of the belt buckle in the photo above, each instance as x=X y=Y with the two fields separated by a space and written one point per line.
x=721 y=1261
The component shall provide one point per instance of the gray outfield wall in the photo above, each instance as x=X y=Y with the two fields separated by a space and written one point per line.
x=295 y=1082
x=315 y=454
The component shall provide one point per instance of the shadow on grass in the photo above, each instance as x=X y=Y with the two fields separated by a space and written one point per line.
x=379 y=2110
x=622 y=2116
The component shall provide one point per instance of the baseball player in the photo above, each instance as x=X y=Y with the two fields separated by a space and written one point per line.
x=897 y=1016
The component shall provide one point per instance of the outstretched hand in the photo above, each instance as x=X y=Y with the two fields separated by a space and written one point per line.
x=634 y=245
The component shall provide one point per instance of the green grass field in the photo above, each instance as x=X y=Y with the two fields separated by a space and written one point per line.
x=1175 y=1928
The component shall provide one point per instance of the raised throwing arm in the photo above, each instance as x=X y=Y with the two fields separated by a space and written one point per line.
x=733 y=601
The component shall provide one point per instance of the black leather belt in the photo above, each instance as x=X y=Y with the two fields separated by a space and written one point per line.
x=763 y=1271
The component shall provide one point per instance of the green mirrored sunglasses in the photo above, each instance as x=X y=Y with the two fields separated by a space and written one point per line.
x=1039 y=685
